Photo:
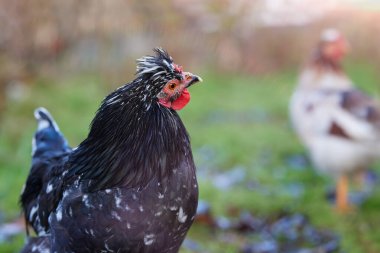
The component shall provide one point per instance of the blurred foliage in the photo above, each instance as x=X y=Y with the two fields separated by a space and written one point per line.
x=255 y=36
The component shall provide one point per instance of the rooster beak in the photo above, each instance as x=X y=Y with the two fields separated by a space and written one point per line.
x=190 y=79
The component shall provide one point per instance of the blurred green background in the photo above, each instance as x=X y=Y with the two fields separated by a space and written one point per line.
x=67 y=55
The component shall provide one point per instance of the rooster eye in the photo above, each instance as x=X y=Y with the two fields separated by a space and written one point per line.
x=172 y=86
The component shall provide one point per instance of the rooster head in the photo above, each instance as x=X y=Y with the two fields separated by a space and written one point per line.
x=166 y=80
x=333 y=46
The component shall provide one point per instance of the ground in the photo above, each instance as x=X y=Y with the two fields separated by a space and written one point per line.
x=238 y=125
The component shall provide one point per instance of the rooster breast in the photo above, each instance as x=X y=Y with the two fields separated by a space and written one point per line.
x=153 y=219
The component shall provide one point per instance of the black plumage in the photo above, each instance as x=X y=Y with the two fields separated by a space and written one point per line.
x=130 y=186
x=50 y=151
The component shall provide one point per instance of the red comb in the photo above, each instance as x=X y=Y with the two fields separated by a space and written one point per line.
x=178 y=68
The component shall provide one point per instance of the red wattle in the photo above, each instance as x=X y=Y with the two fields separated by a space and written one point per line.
x=179 y=103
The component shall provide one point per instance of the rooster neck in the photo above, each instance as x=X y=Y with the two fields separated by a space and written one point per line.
x=130 y=142
x=322 y=63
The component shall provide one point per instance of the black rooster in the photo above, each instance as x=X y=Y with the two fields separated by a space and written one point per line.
x=130 y=186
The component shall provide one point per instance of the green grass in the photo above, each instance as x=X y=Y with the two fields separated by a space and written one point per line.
x=233 y=120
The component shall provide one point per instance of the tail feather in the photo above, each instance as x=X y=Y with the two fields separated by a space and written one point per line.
x=44 y=119
x=48 y=137
x=43 y=185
